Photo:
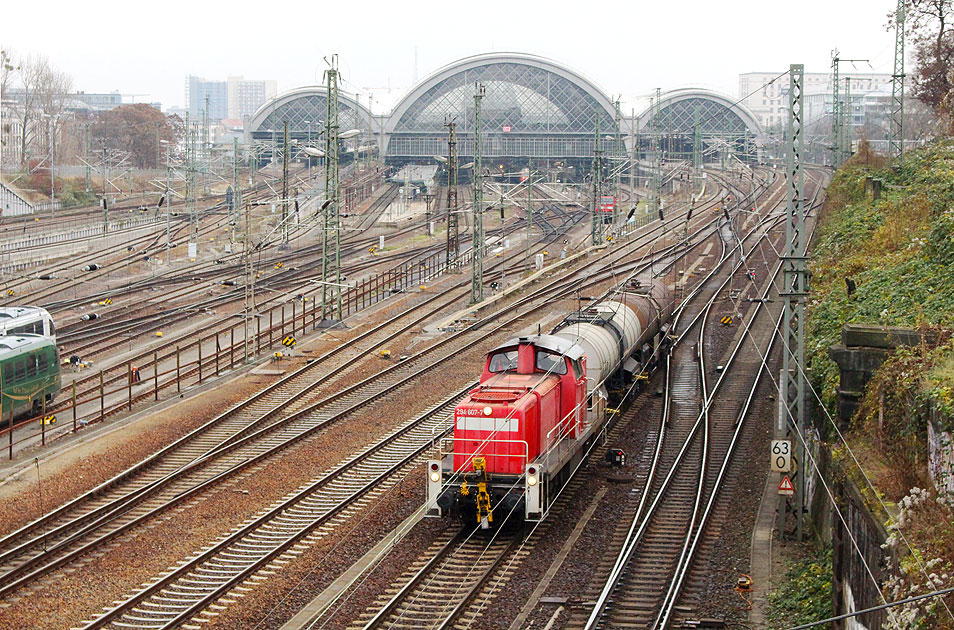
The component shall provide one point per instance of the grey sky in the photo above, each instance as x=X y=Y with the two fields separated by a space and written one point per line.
x=625 y=47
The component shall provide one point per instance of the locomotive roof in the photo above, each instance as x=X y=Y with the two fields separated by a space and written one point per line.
x=553 y=343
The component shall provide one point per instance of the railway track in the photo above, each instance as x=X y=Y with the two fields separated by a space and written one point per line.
x=252 y=551
x=227 y=445
x=437 y=589
x=146 y=246
x=699 y=429
x=117 y=376
x=446 y=580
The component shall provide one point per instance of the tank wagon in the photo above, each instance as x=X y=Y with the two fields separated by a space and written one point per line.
x=541 y=403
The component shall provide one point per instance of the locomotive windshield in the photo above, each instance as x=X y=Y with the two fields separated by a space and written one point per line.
x=549 y=362
x=503 y=361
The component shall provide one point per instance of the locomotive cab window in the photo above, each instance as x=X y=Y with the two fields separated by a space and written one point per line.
x=20 y=370
x=503 y=361
x=549 y=362
x=577 y=369
x=8 y=372
x=42 y=362
x=31 y=365
x=52 y=329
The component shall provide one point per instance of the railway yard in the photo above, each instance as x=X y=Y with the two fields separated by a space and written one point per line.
x=347 y=346
x=202 y=474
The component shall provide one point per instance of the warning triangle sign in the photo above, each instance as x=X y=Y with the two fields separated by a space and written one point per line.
x=786 y=486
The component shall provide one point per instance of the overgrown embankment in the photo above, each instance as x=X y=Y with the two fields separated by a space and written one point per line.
x=897 y=253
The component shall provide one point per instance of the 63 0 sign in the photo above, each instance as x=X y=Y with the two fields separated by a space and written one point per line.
x=781 y=456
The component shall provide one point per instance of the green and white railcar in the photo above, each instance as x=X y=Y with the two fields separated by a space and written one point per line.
x=29 y=374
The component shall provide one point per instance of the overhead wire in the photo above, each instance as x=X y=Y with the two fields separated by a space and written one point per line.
x=518 y=479
x=854 y=458
x=616 y=290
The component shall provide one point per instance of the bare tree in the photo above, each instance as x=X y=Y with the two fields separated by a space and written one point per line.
x=53 y=90
x=42 y=90
x=930 y=23
x=7 y=71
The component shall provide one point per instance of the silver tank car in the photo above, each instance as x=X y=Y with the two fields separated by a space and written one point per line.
x=621 y=338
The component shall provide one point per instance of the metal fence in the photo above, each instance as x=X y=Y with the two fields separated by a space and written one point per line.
x=172 y=366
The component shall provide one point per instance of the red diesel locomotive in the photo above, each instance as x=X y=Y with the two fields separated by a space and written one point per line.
x=520 y=435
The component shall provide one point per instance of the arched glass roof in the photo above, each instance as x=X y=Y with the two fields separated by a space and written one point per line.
x=305 y=109
x=717 y=115
x=532 y=106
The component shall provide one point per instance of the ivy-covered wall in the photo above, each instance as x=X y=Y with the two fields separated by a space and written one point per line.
x=898 y=253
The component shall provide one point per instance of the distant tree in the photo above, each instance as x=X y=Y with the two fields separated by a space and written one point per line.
x=930 y=25
x=137 y=129
x=42 y=89
x=7 y=71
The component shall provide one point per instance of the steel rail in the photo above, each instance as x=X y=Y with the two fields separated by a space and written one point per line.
x=632 y=542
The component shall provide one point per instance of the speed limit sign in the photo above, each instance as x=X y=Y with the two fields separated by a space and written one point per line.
x=781 y=455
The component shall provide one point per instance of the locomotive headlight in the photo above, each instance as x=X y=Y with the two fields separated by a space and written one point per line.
x=488 y=411
x=532 y=476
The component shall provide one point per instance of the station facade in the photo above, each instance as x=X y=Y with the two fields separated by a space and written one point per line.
x=533 y=107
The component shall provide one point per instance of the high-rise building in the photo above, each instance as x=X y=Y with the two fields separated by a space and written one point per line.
x=196 y=91
x=244 y=97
